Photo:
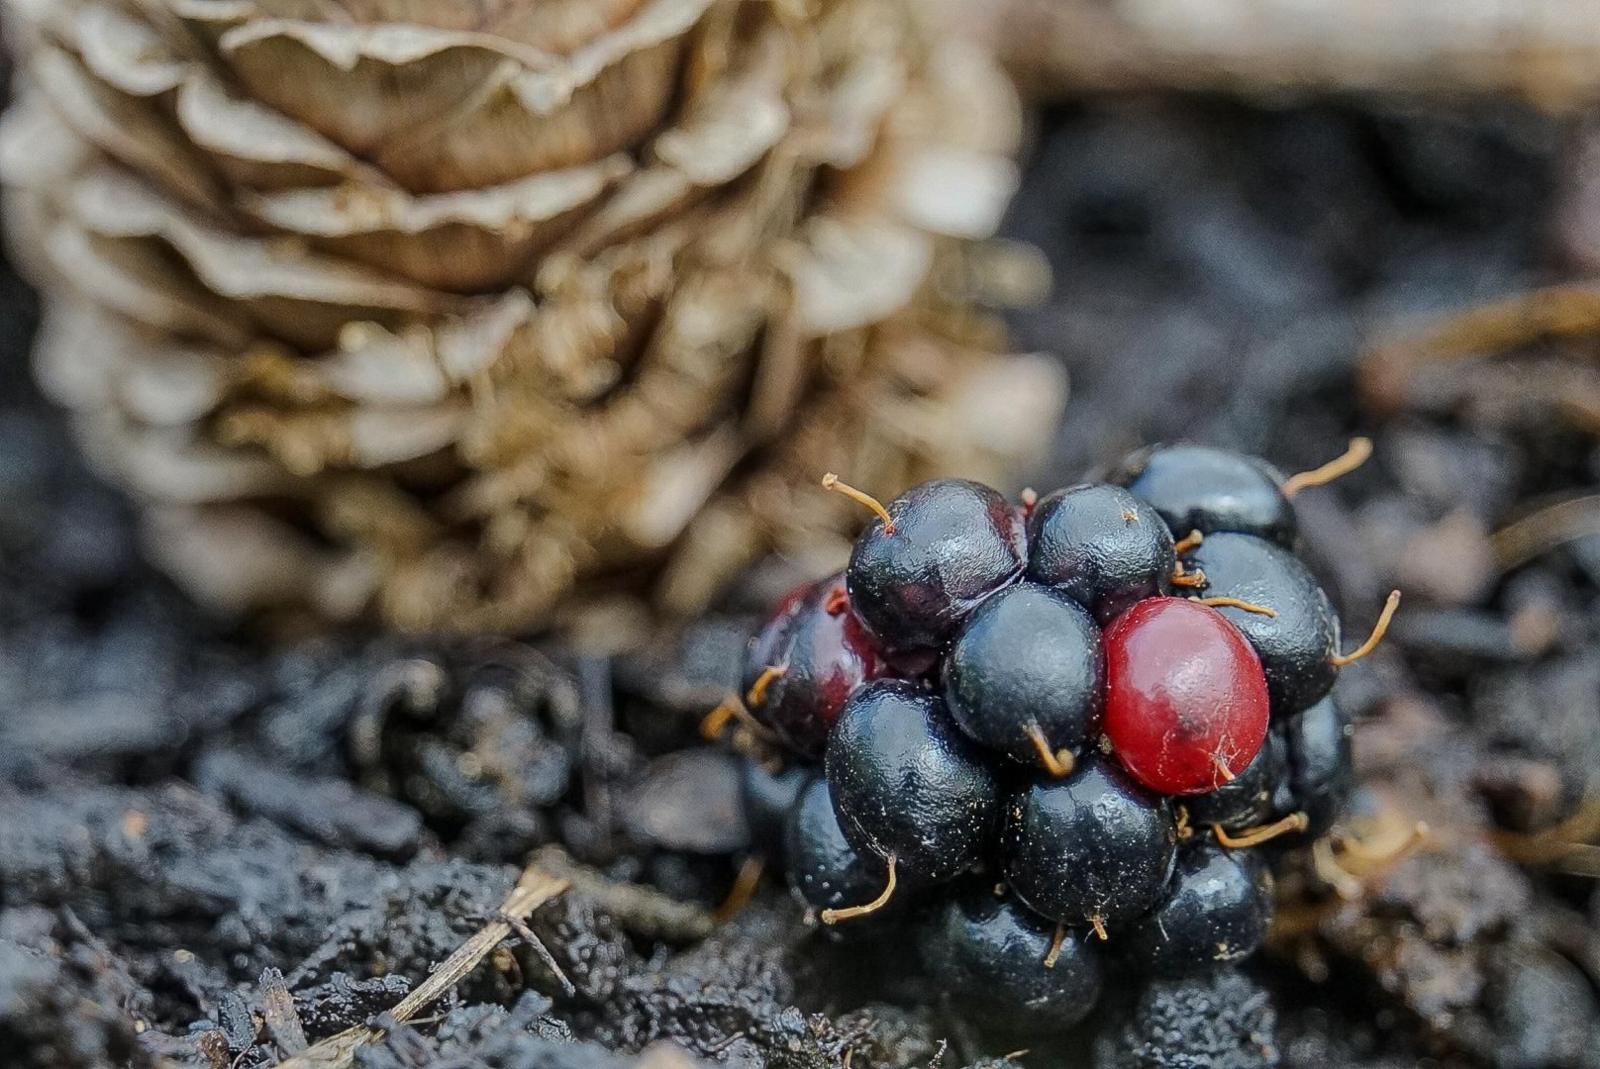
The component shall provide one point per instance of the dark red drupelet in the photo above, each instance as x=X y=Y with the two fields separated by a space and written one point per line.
x=805 y=663
x=1186 y=700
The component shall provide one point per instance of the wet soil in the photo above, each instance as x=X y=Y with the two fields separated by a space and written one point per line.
x=218 y=851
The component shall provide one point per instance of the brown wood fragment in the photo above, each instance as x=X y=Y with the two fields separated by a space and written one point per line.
x=533 y=889
x=282 y=1019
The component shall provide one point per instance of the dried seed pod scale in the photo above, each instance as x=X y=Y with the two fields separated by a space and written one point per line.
x=461 y=317
x=1543 y=53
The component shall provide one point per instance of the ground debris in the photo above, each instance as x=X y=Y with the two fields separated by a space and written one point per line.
x=525 y=1035
x=330 y=811
x=282 y=1020
x=193 y=813
x=341 y=1002
x=64 y=1000
x=1224 y=1020
x=729 y=993
x=639 y=909
x=533 y=889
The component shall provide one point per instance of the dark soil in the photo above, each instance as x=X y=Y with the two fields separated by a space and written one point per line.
x=215 y=850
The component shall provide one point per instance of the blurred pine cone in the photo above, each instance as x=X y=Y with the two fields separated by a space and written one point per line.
x=459 y=315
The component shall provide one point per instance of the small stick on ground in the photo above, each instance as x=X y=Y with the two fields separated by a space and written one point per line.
x=1561 y=311
x=1330 y=872
x=834 y=916
x=1359 y=451
x=1363 y=854
x=644 y=911
x=1554 y=843
x=282 y=1019
x=1581 y=860
x=1266 y=833
x=533 y=889
x=542 y=952
x=1379 y=629
x=1565 y=521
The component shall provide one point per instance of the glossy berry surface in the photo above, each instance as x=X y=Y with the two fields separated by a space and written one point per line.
x=1201 y=488
x=1101 y=546
x=1094 y=846
x=1297 y=645
x=907 y=784
x=825 y=871
x=770 y=644
x=987 y=952
x=1070 y=729
x=954 y=543
x=825 y=653
x=1186 y=700
x=1217 y=909
x=1028 y=661
x=1251 y=798
x=1317 y=744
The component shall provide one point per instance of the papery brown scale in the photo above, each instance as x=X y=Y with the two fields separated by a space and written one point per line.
x=456 y=313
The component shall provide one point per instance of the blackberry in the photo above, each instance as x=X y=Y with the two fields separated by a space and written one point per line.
x=803 y=665
x=1317 y=745
x=1216 y=910
x=1066 y=725
x=1102 y=547
x=1026 y=676
x=826 y=873
x=930 y=558
x=1211 y=1020
x=769 y=646
x=1298 y=643
x=1209 y=490
x=768 y=799
x=1007 y=969
x=1186 y=700
x=1250 y=798
x=1200 y=488
x=1094 y=848
x=907 y=785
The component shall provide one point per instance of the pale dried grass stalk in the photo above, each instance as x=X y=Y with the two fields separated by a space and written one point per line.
x=1543 y=51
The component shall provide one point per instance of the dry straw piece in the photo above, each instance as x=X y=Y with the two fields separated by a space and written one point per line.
x=464 y=315
x=1546 y=52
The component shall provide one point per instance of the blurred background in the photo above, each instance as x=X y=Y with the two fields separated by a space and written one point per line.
x=342 y=349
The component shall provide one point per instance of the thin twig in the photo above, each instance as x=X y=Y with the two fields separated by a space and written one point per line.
x=1565 y=521
x=533 y=889
x=542 y=952
x=641 y=910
